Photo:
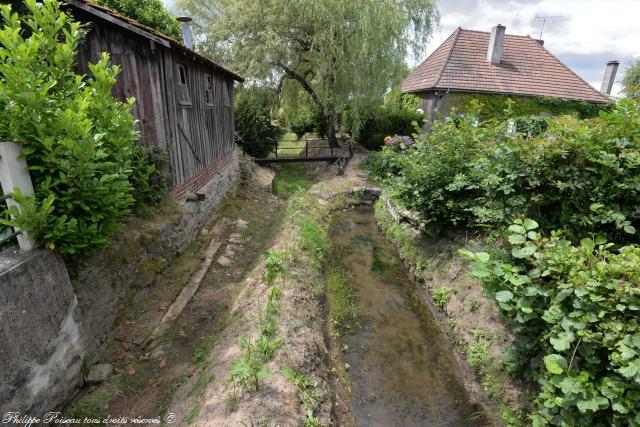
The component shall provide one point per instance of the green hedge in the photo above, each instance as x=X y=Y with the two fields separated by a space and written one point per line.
x=388 y=122
x=575 y=312
x=579 y=175
x=79 y=142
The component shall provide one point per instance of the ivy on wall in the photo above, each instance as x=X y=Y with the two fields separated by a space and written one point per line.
x=494 y=105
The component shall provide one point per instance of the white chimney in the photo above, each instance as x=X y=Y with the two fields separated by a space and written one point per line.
x=609 y=77
x=185 y=21
x=494 y=53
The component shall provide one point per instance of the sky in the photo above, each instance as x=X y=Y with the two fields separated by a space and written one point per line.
x=583 y=34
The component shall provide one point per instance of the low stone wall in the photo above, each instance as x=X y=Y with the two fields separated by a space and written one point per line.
x=40 y=354
x=51 y=327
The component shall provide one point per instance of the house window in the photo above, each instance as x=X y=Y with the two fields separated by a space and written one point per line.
x=227 y=95
x=182 y=88
x=208 y=91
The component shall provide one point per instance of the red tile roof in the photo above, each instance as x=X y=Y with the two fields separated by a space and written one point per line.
x=526 y=68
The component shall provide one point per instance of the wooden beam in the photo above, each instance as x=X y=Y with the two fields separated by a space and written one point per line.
x=117 y=21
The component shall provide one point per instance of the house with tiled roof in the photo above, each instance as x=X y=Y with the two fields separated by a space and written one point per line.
x=475 y=62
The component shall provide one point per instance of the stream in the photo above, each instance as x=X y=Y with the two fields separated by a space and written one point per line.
x=400 y=362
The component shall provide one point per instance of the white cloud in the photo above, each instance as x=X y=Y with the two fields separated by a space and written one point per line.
x=590 y=32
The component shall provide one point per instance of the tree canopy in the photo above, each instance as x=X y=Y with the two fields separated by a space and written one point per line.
x=344 y=54
x=151 y=13
x=631 y=80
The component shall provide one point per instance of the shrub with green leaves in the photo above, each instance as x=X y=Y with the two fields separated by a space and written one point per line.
x=79 y=142
x=580 y=175
x=385 y=122
x=255 y=127
x=575 y=311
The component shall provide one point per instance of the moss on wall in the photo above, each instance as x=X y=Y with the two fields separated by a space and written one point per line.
x=495 y=105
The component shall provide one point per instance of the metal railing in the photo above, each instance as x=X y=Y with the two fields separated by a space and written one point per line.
x=280 y=153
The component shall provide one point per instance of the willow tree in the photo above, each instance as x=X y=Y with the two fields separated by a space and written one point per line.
x=343 y=53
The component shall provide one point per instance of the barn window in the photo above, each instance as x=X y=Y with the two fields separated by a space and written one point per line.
x=227 y=95
x=183 y=89
x=208 y=91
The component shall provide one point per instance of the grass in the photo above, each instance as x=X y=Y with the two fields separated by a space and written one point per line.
x=441 y=296
x=193 y=414
x=202 y=351
x=311 y=399
x=93 y=405
x=340 y=293
x=163 y=407
x=289 y=148
x=314 y=240
x=290 y=179
x=200 y=386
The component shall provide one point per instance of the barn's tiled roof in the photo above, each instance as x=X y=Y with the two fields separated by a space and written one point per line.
x=90 y=6
x=460 y=64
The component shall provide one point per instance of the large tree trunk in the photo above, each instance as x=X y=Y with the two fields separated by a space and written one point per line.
x=329 y=125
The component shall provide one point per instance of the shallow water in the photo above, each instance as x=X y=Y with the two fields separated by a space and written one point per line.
x=401 y=364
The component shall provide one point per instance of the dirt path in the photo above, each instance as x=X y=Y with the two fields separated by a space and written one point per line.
x=148 y=370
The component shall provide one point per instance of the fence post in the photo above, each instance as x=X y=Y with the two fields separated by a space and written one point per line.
x=15 y=174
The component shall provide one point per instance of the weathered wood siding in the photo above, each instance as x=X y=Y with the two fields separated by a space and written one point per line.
x=203 y=134
x=194 y=136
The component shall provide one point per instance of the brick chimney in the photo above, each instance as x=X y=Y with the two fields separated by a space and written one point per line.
x=609 y=77
x=185 y=21
x=494 y=53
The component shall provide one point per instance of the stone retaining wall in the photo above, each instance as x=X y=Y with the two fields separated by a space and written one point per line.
x=51 y=327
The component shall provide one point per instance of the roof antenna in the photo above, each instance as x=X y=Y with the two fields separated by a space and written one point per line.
x=544 y=20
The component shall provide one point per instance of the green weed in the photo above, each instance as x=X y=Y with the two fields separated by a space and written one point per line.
x=163 y=407
x=314 y=240
x=276 y=266
x=203 y=350
x=249 y=370
x=441 y=296
x=193 y=414
x=341 y=299
x=93 y=404
x=311 y=399
x=267 y=348
x=203 y=380
x=231 y=402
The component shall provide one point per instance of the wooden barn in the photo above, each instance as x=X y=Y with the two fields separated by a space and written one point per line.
x=184 y=101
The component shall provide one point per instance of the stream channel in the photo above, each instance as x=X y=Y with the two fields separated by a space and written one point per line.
x=401 y=364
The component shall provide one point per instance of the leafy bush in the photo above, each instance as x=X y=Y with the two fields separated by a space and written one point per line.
x=255 y=128
x=581 y=175
x=304 y=122
x=575 y=311
x=382 y=164
x=385 y=122
x=151 y=13
x=79 y=142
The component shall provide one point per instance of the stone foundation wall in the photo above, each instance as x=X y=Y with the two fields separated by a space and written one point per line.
x=40 y=352
x=51 y=326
